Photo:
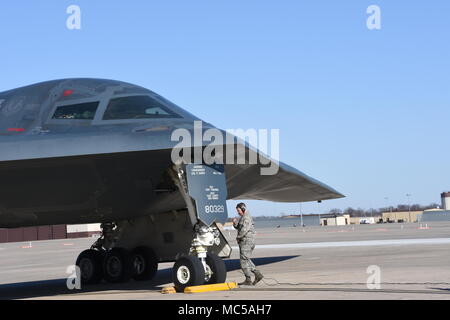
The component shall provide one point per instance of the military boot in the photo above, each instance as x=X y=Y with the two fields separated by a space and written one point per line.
x=258 y=277
x=247 y=282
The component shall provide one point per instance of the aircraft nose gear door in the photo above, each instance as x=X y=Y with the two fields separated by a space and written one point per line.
x=207 y=186
x=204 y=190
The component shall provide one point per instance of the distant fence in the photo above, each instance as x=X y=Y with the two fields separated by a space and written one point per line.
x=33 y=233
x=308 y=220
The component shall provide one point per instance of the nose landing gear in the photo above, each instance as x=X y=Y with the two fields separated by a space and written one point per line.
x=203 y=189
x=188 y=271
x=200 y=266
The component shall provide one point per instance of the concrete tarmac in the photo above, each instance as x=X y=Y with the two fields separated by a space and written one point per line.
x=333 y=262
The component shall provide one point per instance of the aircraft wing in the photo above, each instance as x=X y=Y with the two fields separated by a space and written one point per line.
x=287 y=184
x=244 y=181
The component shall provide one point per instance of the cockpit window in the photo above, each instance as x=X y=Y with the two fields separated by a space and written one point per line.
x=137 y=107
x=81 y=111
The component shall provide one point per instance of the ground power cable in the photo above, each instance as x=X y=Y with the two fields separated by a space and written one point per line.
x=277 y=283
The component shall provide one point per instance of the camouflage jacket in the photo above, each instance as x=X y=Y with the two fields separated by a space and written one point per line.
x=245 y=228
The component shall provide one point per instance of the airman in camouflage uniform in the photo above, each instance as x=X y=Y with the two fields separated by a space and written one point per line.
x=246 y=240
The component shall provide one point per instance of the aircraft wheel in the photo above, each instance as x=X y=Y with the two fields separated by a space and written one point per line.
x=188 y=271
x=90 y=264
x=145 y=263
x=217 y=267
x=117 y=265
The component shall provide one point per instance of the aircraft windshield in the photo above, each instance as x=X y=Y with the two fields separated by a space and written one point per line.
x=81 y=111
x=137 y=107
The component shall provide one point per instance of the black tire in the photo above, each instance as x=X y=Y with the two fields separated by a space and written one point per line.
x=90 y=264
x=145 y=263
x=188 y=271
x=117 y=265
x=218 y=269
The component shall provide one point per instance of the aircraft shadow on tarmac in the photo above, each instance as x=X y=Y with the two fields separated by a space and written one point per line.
x=34 y=289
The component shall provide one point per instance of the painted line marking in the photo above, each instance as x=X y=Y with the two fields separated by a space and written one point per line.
x=365 y=243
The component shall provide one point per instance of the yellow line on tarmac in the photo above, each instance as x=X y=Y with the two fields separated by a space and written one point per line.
x=211 y=287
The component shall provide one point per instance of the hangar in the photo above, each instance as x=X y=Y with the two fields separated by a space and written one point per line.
x=435 y=215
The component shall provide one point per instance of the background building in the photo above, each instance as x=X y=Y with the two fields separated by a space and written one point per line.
x=401 y=216
x=365 y=220
x=445 y=199
x=33 y=233
x=331 y=219
x=83 y=230
x=435 y=215
x=49 y=232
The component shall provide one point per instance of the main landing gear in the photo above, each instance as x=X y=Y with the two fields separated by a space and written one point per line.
x=111 y=259
x=116 y=264
x=189 y=236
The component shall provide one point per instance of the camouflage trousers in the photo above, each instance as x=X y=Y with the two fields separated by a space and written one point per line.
x=246 y=247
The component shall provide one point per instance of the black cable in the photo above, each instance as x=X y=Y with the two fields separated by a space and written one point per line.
x=346 y=283
x=342 y=283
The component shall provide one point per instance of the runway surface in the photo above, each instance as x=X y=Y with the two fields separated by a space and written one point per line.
x=298 y=263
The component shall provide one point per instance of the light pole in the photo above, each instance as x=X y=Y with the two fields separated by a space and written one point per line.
x=318 y=210
x=387 y=204
x=301 y=214
x=409 y=207
x=388 y=207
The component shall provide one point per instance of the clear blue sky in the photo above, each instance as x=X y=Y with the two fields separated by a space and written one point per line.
x=366 y=112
